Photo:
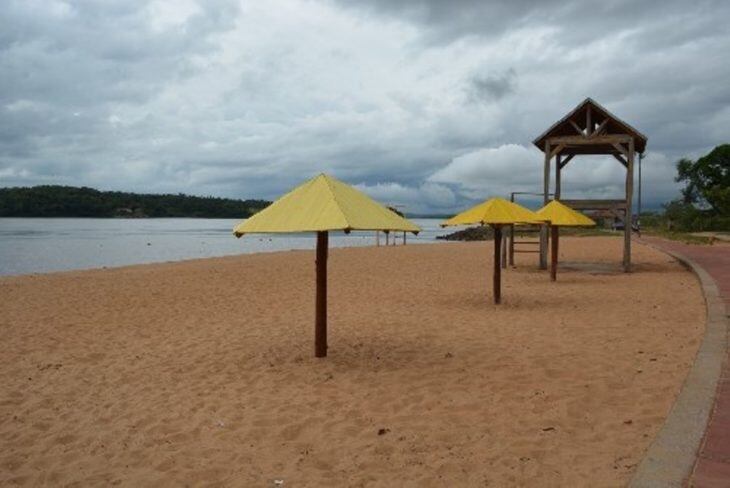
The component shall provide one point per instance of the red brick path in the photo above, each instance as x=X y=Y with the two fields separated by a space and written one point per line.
x=712 y=468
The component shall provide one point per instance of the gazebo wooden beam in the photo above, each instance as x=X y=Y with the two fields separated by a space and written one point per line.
x=608 y=139
x=600 y=128
x=620 y=149
x=575 y=126
x=601 y=150
x=557 y=150
x=595 y=204
x=565 y=162
x=621 y=160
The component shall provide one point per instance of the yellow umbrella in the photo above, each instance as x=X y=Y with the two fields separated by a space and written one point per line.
x=320 y=205
x=495 y=212
x=560 y=215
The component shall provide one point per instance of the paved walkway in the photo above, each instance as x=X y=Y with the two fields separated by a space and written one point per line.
x=712 y=468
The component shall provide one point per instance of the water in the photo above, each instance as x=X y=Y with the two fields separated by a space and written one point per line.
x=44 y=245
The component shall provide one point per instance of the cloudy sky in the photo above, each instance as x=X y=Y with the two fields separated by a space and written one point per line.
x=426 y=104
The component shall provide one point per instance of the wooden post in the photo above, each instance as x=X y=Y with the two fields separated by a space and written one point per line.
x=629 y=207
x=546 y=198
x=497 y=284
x=512 y=244
x=503 y=250
x=554 y=255
x=404 y=238
x=558 y=169
x=320 y=321
x=638 y=209
x=377 y=238
x=589 y=122
x=387 y=238
x=554 y=228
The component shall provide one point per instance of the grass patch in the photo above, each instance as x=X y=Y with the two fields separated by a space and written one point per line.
x=685 y=237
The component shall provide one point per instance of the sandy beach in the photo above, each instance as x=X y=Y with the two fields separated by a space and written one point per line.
x=202 y=373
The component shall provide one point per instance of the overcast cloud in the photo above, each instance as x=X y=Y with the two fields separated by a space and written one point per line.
x=427 y=104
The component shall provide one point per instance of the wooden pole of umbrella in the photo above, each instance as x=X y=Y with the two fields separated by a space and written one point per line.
x=497 y=278
x=554 y=237
x=557 y=215
x=320 y=319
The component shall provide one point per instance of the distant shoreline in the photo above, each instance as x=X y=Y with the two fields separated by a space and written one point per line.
x=51 y=201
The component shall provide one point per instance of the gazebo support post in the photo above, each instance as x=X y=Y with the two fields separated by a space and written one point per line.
x=545 y=201
x=558 y=168
x=555 y=230
x=628 y=222
x=320 y=322
x=497 y=268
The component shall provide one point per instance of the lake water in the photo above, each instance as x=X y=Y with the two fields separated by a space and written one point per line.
x=44 y=245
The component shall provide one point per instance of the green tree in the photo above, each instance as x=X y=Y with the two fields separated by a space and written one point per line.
x=707 y=180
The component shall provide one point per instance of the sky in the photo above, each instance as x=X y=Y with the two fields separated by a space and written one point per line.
x=425 y=104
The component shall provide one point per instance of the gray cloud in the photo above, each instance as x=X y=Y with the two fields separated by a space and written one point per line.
x=427 y=104
x=492 y=87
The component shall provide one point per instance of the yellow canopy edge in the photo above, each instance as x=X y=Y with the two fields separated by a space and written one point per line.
x=495 y=211
x=562 y=215
x=320 y=204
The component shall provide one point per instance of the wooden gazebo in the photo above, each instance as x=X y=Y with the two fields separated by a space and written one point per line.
x=591 y=129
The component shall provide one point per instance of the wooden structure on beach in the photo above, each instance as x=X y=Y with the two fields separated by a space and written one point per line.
x=388 y=241
x=514 y=245
x=591 y=129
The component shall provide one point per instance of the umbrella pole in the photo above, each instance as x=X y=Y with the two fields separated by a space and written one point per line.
x=554 y=258
x=497 y=265
x=320 y=321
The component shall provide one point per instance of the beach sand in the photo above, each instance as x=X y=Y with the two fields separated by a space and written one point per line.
x=202 y=372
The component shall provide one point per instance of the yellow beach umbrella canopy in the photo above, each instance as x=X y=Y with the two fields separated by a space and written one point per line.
x=561 y=215
x=321 y=204
x=495 y=211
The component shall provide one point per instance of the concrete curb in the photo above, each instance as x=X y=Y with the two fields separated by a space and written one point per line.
x=672 y=455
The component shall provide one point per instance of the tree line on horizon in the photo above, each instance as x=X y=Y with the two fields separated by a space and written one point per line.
x=70 y=201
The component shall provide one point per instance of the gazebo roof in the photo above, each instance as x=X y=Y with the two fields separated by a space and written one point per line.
x=575 y=123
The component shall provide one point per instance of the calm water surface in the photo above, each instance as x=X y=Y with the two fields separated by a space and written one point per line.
x=44 y=245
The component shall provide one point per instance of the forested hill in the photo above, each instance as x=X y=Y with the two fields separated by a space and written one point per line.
x=69 y=201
